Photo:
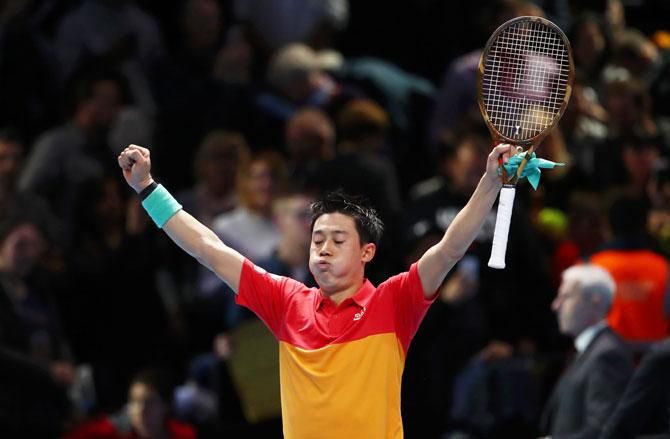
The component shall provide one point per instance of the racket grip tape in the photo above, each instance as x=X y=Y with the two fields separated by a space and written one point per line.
x=160 y=205
x=503 y=219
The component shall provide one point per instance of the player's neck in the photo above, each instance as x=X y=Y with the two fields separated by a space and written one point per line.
x=340 y=295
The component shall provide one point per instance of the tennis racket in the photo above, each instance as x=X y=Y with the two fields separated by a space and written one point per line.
x=524 y=83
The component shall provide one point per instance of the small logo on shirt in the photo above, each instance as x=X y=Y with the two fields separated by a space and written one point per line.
x=358 y=315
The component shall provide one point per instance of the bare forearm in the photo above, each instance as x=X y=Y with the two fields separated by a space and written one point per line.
x=470 y=219
x=439 y=259
x=203 y=244
x=186 y=231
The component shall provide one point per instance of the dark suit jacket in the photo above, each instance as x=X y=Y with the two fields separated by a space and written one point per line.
x=644 y=408
x=587 y=393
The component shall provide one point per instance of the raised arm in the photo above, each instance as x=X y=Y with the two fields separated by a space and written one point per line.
x=439 y=259
x=187 y=232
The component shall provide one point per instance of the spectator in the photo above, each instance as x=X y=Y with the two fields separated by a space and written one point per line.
x=644 y=408
x=65 y=156
x=116 y=326
x=31 y=321
x=589 y=389
x=249 y=227
x=640 y=311
x=117 y=34
x=298 y=77
x=146 y=415
x=12 y=199
x=37 y=368
x=310 y=140
x=274 y=23
x=217 y=162
x=293 y=218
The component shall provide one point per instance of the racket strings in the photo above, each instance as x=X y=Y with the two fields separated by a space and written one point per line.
x=525 y=78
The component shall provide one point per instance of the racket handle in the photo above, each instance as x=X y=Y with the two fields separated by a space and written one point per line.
x=503 y=219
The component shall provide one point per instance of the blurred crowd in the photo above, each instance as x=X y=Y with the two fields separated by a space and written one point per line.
x=252 y=109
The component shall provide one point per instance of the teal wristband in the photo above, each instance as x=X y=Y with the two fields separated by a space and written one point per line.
x=161 y=206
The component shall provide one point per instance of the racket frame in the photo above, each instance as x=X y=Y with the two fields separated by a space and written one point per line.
x=504 y=214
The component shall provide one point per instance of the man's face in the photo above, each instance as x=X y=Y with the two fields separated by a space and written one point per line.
x=573 y=312
x=260 y=185
x=105 y=103
x=293 y=218
x=337 y=258
x=22 y=249
x=146 y=409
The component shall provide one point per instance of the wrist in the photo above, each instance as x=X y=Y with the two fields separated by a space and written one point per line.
x=160 y=205
x=144 y=193
x=144 y=184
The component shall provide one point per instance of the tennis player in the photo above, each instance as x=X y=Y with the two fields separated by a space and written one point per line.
x=342 y=346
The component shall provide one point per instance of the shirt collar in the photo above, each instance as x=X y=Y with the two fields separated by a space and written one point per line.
x=360 y=297
x=585 y=338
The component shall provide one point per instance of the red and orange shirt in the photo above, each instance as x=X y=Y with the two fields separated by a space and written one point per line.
x=340 y=366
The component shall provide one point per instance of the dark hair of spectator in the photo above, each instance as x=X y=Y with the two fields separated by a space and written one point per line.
x=360 y=119
x=628 y=216
x=82 y=86
x=159 y=380
x=590 y=17
x=368 y=224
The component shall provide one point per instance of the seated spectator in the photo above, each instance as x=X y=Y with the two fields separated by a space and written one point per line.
x=248 y=227
x=644 y=408
x=218 y=159
x=271 y=24
x=587 y=393
x=297 y=77
x=85 y=146
x=119 y=34
x=37 y=368
x=291 y=214
x=30 y=322
x=115 y=325
x=310 y=140
x=640 y=311
x=12 y=199
x=146 y=415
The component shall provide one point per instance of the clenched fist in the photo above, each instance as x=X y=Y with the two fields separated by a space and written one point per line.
x=136 y=164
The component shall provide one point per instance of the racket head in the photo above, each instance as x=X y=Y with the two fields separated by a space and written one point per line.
x=525 y=79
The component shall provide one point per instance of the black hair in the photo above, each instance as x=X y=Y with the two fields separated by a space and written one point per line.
x=627 y=215
x=81 y=85
x=10 y=135
x=368 y=224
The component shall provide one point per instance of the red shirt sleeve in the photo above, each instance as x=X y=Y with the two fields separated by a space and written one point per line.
x=265 y=294
x=409 y=303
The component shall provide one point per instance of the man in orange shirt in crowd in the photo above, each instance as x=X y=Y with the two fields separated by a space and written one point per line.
x=640 y=312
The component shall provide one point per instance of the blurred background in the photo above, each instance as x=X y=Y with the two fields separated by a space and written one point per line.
x=253 y=108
